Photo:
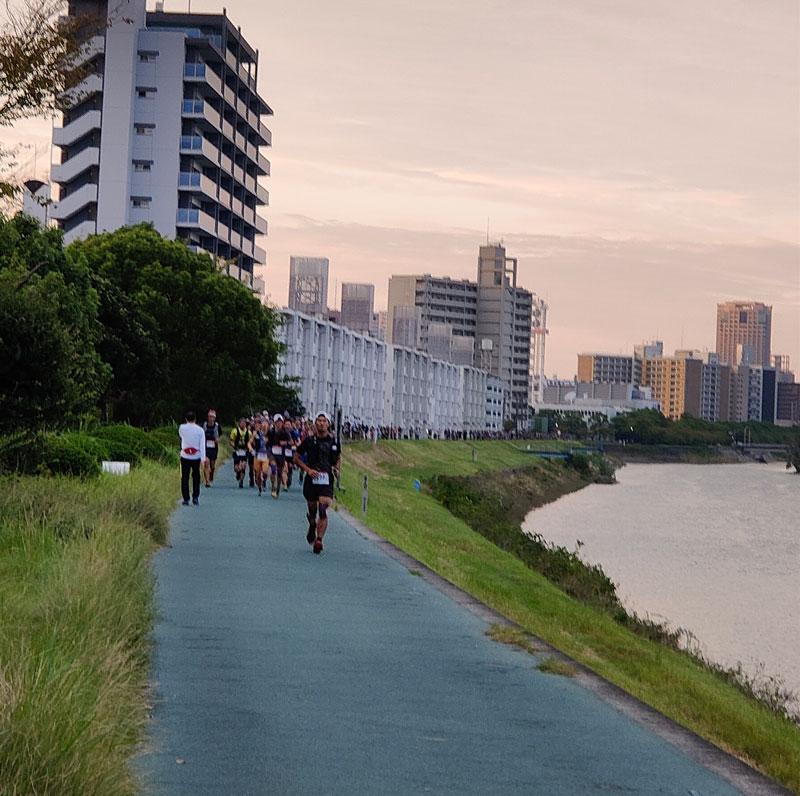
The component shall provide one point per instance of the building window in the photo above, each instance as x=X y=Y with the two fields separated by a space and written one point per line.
x=144 y=129
x=142 y=165
x=140 y=201
x=148 y=56
x=146 y=92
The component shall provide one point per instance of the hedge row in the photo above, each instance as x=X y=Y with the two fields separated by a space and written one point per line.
x=80 y=453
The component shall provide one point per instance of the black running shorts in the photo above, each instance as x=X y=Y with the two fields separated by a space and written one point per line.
x=313 y=492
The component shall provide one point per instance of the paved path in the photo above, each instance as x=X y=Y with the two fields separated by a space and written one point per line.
x=282 y=672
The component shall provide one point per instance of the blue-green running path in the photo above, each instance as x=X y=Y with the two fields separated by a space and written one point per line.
x=277 y=671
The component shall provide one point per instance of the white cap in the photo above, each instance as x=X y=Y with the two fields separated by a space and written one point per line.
x=325 y=415
x=276 y=418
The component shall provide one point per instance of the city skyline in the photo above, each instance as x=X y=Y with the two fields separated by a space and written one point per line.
x=641 y=162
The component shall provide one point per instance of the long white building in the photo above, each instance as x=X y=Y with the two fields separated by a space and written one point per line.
x=382 y=384
x=166 y=128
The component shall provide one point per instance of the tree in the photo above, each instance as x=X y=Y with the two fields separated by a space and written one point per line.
x=177 y=332
x=49 y=368
x=39 y=60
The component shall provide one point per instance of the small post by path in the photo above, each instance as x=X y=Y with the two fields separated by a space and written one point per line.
x=364 y=498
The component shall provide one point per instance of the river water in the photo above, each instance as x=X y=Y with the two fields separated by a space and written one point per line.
x=714 y=549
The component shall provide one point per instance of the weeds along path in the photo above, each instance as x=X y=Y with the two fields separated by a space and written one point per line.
x=76 y=607
x=278 y=671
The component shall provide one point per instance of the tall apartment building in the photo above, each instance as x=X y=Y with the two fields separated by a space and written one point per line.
x=358 y=301
x=503 y=328
x=609 y=368
x=440 y=300
x=488 y=323
x=787 y=410
x=308 y=285
x=715 y=384
x=166 y=128
x=754 y=393
x=747 y=324
x=675 y=382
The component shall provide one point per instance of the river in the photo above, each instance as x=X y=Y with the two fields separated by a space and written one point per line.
x=713 y=549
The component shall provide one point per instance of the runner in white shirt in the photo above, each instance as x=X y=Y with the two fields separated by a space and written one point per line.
x=193 y=454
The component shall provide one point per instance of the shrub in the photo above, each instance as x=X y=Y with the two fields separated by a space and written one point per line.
x=67 y=455
x=131 y=443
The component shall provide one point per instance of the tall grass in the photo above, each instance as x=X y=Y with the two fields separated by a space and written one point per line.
x=76 y=608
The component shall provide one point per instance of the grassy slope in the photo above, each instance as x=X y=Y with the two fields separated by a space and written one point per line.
x=76 y=607
x=672 y=683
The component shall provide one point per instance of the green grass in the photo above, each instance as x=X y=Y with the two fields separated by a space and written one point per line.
x=76 y=609
x=673 y=683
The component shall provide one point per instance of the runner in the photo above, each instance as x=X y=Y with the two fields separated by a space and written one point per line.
x=213 y=433
x=288 y=453
x=322 y=463
x=251 y=427
x=279 y=440
x=240 y=436
x=259 y=446
x=193 y=454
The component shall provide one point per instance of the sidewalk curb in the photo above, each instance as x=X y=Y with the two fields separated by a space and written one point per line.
x=734 y=771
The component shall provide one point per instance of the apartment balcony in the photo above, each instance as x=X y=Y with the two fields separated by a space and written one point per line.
x=77 y=129
x=92 y=48
x=201 y=147
x=68 y=170
x=194 y=182
x=91 y=84
x=81 y=231
x=201 y=111
x=194 y=218
x=196 y=73
x=72 y=203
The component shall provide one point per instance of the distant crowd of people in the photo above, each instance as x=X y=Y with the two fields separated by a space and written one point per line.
x=353 y=430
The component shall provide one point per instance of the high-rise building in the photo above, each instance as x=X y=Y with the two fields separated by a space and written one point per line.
x=754 y=393
x=610 y=368
x=747 y=324
x=504 y=321
x=488 y=323
x=675 y=383
x=165 y=128
x=308 y=285
x=788 y=404
x=357 y=307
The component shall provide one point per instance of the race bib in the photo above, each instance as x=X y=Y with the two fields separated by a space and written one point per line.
x=277 y=450
x=241 y=452
x=288 y=453
x=321 y=480
x=210 y=443
x=262 y=457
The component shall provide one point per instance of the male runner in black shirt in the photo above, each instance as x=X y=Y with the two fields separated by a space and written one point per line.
x=321 y=464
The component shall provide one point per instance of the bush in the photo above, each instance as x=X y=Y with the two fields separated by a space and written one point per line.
x=73 y=454
x=131 y=443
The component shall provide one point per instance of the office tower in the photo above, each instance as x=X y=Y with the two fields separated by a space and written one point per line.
x=788 y=403
x=166 y=128
x=748 y=324
x=675 y=383
x=783 y=365
x=308 y=285
x=357 y=305
x=539 y=334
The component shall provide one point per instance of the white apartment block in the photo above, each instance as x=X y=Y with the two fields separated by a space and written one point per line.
x=380 y=384
x=166 y=128
x=330 y=361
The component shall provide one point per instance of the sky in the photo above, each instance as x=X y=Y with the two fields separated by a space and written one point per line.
x=640 y=160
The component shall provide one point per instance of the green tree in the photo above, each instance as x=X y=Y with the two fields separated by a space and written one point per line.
x=49 y=367
x=177 y=332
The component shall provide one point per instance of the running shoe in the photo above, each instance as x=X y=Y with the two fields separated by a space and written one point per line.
x=275 y=494
x=185 y=503
x=196 y=501
x=317 y=546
